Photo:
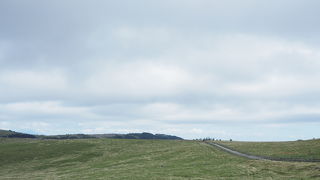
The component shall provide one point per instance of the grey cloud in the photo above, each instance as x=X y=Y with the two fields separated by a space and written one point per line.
x=169 y=66
x=58 y=30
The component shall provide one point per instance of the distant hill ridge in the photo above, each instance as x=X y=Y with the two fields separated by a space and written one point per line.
x=144 y=135
x=13 y=134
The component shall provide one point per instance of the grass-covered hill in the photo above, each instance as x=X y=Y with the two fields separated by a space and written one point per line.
x=13 y=134
x=136 y=159
x=302 y=149
x=144 y=135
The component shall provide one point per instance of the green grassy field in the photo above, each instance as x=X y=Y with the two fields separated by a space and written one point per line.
x=309 y=149
x=136 y=159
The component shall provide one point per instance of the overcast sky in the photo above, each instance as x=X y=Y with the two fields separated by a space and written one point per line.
x=246 y=70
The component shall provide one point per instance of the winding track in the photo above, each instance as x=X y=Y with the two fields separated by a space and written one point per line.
x=259 y=157
x=236 y=152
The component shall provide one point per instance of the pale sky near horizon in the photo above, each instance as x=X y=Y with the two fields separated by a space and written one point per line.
x=246 y=70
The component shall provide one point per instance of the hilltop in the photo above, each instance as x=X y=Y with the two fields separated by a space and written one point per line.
x=144 y=135
x=13 y=134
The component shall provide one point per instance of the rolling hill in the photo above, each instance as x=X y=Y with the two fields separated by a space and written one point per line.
x=144 y=135
x=39 y=159
x=13 y=134
x=307 y=149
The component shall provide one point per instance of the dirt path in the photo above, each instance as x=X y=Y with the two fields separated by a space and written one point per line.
x=235 y=152
x=259 y=157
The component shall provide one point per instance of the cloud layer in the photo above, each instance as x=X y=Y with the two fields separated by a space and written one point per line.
x=189 y=68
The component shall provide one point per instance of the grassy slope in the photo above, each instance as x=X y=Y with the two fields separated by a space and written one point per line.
x=309 y=149
x=135 y=159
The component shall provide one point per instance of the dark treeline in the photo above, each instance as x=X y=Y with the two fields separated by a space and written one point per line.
x=144 y=135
